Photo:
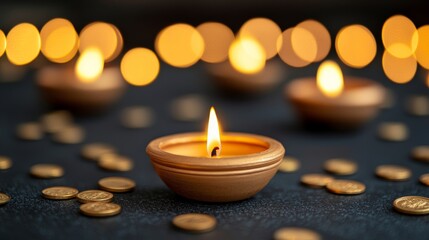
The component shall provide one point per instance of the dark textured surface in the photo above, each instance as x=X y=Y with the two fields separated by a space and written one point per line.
x=148 y=210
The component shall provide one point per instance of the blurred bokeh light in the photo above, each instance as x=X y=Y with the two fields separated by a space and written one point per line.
x=398 y=35
x=23 y=44
x=217 y=39
x=2 y=43
x=140 y=66
x=422 y=51
x=89 y=65
x=399 y=70
x=287 y=52
x=320 y=34
x=246 y=55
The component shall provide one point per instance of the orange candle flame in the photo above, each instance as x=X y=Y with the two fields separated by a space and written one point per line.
x=89 y=65
x=330 y=79
x=214 y=145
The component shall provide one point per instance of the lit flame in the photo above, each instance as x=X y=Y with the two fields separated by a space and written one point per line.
x=90 y=65
x=330 y=79
x=247 y=55
x=213 y=135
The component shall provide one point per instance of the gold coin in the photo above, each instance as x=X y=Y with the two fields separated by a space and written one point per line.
x=424 y=179
x=418 y=105
x=420 y=153
x=59 y=193
x=412 y=205
x=393 y=131
x=294 y=233
x=340 y=166
x=195 y=222
x=55 y=121
x=393 y=172
x=46 y=171
x=94 y=196
x=116 y=184
x=4 y=198
x=5 y=163
x=389 y=100
x=316 y=180
x=289 y=164
x=94 y=151
x=137 y=117
x=190 y=108
x=346 y=187
x=100 y=209
x=114 y=162
x=69 y=135
x=29 y=131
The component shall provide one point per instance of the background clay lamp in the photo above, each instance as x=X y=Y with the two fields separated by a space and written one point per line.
x=247 y=71
x=89 y=89
x=332 y=102
x=205 y=168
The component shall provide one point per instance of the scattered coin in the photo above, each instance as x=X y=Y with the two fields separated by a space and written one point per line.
x=389 y=100
x=4 y=198
x=424 y=179
x=420 y=153
x=116 y=184
x=294 y=233
x=346 y=187
x=137 y=117
x=100 y=209
x=5 y=163
x=316 y=180
x=393 y=172
x=191 y=107
x=94 y=151
x=59 y=193
x=412 y=205
x=71 y=134
x=418 y=105
x=195 y=222
x=114 y=162
x=340 y=166
x=289 y=164
x=55 y=121
x=30 y=131
x=393 y=131
x=94 y=196
x=46 y=171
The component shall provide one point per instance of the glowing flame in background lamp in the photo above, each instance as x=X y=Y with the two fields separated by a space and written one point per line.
x=247 y=56
x=213 y=134
x=330 y=79
x=89 y=65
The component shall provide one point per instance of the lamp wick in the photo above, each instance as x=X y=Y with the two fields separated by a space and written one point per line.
x=215 y=152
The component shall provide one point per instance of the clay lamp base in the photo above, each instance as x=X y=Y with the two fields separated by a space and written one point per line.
x=229 y=79
x=246 y=165
x=358 y=103
x=59 y=86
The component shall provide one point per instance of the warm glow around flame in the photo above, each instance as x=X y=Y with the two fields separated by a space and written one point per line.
x=330 y=79
x=213 y=135
x=247 y=55
x=90 y=65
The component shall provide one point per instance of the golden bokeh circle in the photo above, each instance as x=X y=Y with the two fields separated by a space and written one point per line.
x=2 y=43
x=217 y=39
x=246 y=55
x=286 y=51
x=422 y=50
x=304 y=44
x=398 y=35
x=140 y=66
x=321 y=35
x=399 y=70
x=180 y=45
x=23 y=44
x=356 y=46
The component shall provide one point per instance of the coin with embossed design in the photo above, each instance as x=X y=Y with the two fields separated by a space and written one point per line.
x=94 y=196
x=195 y=222
x=346 y=187
x=59 y=193
x=100 y=209
x=4 y=198
x=412 y=205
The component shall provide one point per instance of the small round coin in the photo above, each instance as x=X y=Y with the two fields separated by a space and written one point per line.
x=393 y=172
x=55 y=121
x=46 y=171
x=94 y=196
x=421 y=153
x=94 y=151
x=389 y=99
x=4 y=198
x=294 y=233
x=137 y=117
x=114 y=162
x=59 y=193
x=195 y=222
x=424 y=179
x=5 y=163
x=340 y=166
x=316 y=180
x=289 y=164
x=100 y=209
x=69 y=135
x=393 y=131
x=31 y=131
x=412 y=205
x=189 y=108
x=116 y=184
x=346 y=187
x=418 y=105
